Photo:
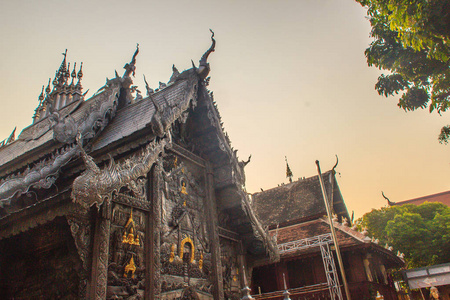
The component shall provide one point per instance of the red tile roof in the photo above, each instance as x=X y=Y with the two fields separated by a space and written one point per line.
x=443 y=197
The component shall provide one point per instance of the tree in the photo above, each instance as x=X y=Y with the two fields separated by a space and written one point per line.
x=421 y=232
x=412 y=41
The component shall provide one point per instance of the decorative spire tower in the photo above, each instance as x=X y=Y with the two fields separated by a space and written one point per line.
x=288 y=171
x=62 y=93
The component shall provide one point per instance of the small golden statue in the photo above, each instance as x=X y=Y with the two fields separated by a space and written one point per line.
x=183 y=188
x=129 y=238
x=172 y=253
x=130 y=267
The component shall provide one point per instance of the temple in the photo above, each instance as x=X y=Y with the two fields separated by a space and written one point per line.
x=121 y=196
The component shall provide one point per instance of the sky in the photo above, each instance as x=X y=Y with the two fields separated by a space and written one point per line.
x=289 y=77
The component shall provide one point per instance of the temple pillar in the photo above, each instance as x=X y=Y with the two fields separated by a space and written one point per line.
x=153 y=236
x=80 y=229
x=211 y=216
x=100 y=253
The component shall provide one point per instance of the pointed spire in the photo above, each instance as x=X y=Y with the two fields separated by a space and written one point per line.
x=67 y=74
x=55 y=80
x=74 y=73
x=62 y=67
x=60 y=74
x=79 y=76
x=47 y=89
x=37 y=112
x=80 y=73
x=288 y=170
x=41 y=96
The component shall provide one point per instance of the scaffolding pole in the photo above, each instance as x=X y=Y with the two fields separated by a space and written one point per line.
x=333 y=232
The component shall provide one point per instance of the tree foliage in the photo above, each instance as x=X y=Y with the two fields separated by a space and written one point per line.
x=412 y=41
x=421 y=232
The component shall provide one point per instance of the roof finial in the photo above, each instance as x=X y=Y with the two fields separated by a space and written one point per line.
x=74 y=73
x=37 y=110
x=79 y=76
x=148 y=88
x=204 y=69
x=390 y=203
x=67 y=74
x=175 y=74
x=335 y=165
x=80 y=73
x=288 y=170
x=47 y=89
x=41 y=96
x=130 y=68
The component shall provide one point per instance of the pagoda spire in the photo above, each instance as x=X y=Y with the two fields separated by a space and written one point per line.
x=288 y=170
x=63 y=92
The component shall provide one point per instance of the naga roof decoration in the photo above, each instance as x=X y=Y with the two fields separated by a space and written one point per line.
x=204 y=68
x=42 y=175
x=96 y=185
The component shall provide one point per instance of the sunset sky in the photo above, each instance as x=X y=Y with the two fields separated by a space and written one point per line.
x=289 y=77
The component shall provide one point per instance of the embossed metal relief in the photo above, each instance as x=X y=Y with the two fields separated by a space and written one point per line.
x=126 y=271
x=44 y=173
x=185 y=248
x=230 y=268
x=96 y=185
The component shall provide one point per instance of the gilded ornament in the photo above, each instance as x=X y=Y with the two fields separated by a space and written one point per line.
x=200 y=261
x=130 y=267
x=172 y=253
x=129 y=238
x=183 y=242
x=183 y=188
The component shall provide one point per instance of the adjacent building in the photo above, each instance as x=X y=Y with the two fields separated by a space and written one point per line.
x=296 y=216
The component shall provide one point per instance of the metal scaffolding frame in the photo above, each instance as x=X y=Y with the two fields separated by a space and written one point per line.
x=323 y=241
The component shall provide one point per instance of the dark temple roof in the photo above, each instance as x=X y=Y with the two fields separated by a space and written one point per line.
x=297 y=201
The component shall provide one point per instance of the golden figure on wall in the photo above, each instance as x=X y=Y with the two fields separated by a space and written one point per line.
x=128 y=234
x=130 y=267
